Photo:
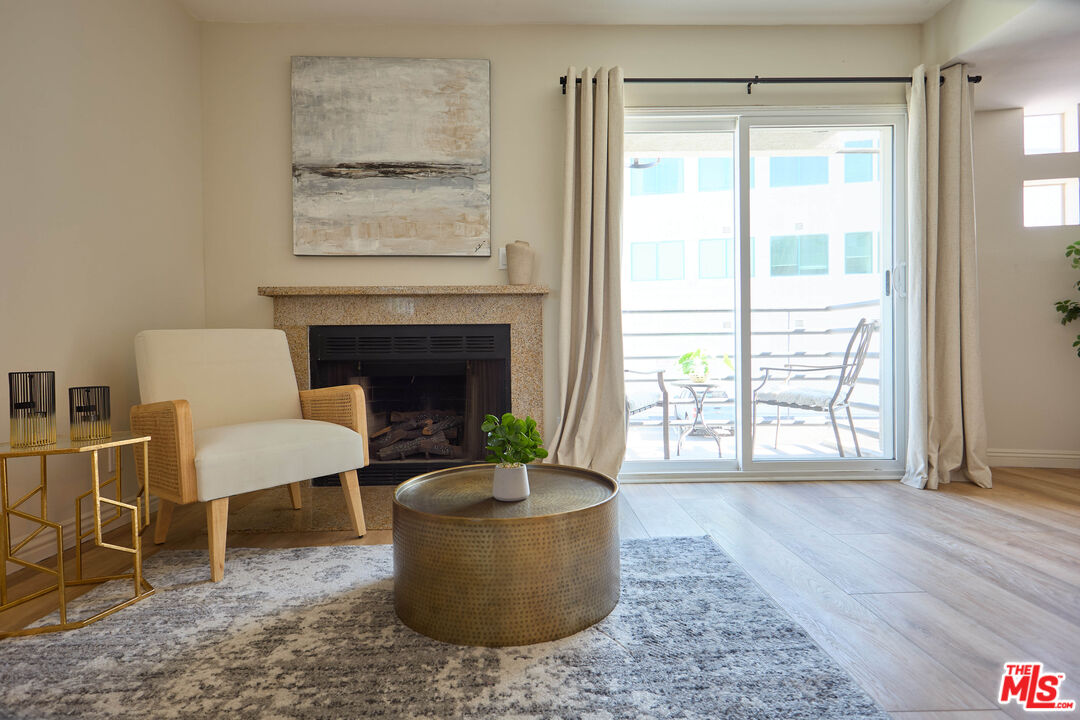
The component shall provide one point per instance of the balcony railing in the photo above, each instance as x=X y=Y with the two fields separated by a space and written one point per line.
x=803 y=333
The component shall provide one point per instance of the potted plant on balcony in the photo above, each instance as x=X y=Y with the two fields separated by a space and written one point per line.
x=512 y=443
x=695 y=365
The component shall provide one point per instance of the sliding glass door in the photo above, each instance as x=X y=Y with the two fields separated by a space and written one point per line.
x=759 y=325
x=679 y=292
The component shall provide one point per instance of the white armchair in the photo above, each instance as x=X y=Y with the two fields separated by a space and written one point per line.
x=225 y=416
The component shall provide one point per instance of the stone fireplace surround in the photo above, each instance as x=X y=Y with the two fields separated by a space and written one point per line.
x=297 y=308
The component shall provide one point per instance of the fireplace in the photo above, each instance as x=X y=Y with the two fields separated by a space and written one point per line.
x=427 y=387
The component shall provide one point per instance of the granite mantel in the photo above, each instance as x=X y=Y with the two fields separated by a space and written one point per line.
x=297 y=308
x=399 y=290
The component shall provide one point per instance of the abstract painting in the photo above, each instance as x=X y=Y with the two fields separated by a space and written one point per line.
x=391 y=156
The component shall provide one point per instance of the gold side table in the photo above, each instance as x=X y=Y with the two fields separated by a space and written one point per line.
x=107 y=510
x=471 y=570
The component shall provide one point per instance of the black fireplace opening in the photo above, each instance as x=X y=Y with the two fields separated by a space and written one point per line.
x=428 y=388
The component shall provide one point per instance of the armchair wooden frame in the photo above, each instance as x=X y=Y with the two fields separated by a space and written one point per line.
x=172 y=459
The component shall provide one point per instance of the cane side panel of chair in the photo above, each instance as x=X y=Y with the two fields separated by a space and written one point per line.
x=342 y=405
x=171 y=449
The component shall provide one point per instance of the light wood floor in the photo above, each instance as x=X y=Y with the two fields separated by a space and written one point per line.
x=920 y=596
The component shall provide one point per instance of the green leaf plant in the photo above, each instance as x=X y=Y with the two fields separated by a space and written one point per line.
x=1070 y=309
x=695 y=363
x=511 y=440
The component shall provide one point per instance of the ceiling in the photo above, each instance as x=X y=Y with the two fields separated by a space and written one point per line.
x=1031 y=61
x=571 y=12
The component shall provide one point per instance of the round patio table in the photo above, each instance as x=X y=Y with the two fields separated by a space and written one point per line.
x=700 y=391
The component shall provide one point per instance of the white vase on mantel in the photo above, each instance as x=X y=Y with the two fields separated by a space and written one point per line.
x=519 y=262
x=511 y=482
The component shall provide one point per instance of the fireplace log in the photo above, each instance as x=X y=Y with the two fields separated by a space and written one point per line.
x=398 y=416
x=436 y=444
x=444 y=424
x=395 y=435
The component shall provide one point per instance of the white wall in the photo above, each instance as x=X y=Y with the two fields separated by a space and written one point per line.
x=100 y=195
x=247 y=134
x=963 y=23
x=1031 y=373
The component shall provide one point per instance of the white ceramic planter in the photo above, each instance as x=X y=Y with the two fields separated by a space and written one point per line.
x=511 y=482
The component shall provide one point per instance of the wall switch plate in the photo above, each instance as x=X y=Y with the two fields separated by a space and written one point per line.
x=502 y=258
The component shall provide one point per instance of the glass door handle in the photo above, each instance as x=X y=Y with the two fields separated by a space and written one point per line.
x=899 y=280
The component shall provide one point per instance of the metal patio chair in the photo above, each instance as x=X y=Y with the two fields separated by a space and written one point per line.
x=784 y=395
x=645 y=397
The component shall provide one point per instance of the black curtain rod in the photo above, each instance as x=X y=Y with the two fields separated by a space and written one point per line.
x=756 y=80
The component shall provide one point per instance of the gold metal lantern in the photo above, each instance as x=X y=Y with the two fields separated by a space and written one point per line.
x=89 y=412
x=32 y=401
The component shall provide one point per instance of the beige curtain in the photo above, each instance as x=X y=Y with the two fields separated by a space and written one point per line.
x=591 y=392
x=947 y=426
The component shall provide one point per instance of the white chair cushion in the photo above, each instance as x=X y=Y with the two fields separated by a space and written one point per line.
x=232 y=459
x=807 y=398
x=228 y=376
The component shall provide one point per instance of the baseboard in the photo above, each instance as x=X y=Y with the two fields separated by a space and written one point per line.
x=44 y=545
x=1034 y=458
x=698 y=476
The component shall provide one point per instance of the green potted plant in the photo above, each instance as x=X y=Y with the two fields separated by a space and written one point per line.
x=512 y=443
x=695 y=365
x=1070 y=309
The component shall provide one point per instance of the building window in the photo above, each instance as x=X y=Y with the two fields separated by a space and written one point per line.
x=716 y=258
x=714 y=174
x=791 y=171
x=657 y=260
x=858 y=253
x=665 y=177
x=798 y=255
x=1051 y=202
x=859 y=166
x=1044 y=133
x=1050 y=132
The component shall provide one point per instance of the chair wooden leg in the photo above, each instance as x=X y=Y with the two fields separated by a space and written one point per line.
x=854 y=436
x=161 y=522
x=294 y=495
x=350 y=485
x=836 y=432
x=217 y=523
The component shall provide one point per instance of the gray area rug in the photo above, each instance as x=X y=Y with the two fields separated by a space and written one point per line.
x=311 y=633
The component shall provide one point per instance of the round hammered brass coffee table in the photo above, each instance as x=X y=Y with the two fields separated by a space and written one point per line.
x=471 y=570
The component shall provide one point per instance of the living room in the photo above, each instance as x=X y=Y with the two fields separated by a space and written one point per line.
x=148 y=184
